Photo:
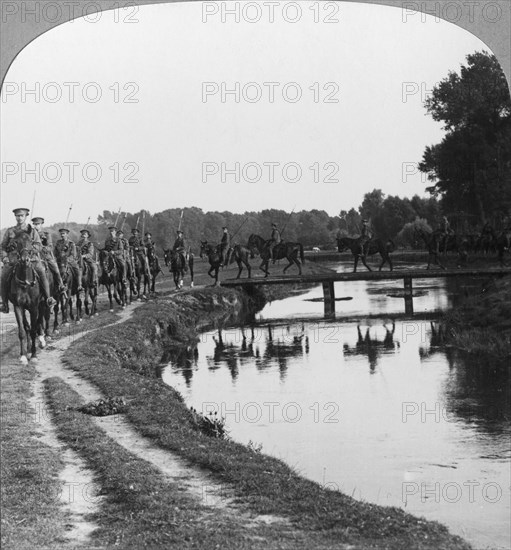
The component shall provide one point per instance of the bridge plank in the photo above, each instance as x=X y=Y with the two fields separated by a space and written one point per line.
x=367 y=276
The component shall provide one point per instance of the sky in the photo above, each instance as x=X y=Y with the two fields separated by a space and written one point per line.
x=133 y=111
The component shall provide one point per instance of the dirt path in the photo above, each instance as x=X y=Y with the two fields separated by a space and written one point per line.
x=80 y=489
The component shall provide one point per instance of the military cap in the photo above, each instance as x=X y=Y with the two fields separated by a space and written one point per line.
x=147 y=234
x=120 y=232
x=135 y=230
x=21 y=211
x=179 y=231
x=224 y=227
x=85 y=231
x=274 y=224
x=38 y=219
x=112 y=227
x=364 y=221
x=63 y=230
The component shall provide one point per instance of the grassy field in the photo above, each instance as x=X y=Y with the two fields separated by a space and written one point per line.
x=141 y=508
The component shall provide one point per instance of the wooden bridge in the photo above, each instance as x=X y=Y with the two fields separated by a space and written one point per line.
x=328 y=280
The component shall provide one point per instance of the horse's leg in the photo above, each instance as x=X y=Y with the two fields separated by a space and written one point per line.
x=34 y=325
x=22 y=333
x=210 y=273
x=363 y=258
x=190 y=266
x=299 y=265
x=355 y=264
x=240 y=268
x=249 y=269
x=109 y=291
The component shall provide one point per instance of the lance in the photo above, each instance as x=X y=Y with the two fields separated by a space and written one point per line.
x=138 y=219
x=87 y=224
x=33 y=203
x=69 y=213
x=124 y=220
x=237 y=230
x=287 y=221
x=180 y=220
x=143 y=222
x=118 y=214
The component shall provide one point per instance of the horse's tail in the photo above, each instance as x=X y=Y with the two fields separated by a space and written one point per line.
x=302 y=255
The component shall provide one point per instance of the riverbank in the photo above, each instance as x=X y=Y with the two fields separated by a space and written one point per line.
x=481 y=325
x=125 y=360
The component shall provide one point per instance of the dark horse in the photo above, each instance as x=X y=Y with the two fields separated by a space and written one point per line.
x=178 y=265
x=154 y=268
x=239 y=254
x=372 y=247
x=109 y=276
x=140 y=273
x=26 y=295
x=90 y=290
x=70 y=280
x=435 y=240
x=213 y=253
x=293 y=252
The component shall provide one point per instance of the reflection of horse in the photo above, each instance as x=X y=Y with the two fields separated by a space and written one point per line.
x=371 y=247
x=109 y=276
x=178 y=265
x=372 y=347
x=214 y=256
x=24 y=291
x=293 y=252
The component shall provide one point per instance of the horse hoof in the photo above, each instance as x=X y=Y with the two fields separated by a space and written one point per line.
x=24 y=360
x=111 y=311
x=96 y=314
x=66 y=324
x=42 y=342
x=33 y=359
x=191 y=284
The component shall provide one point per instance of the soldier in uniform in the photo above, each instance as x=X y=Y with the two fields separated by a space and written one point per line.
x=138 y=250
x=150 y=248
x=179 y=246
x=114 y=244
x=445 y=232
x=365 y=236
x=225 y=243
x=47 y=252
x=9 y=251
x=67 y=254
x=275 y=239
x=87 y=254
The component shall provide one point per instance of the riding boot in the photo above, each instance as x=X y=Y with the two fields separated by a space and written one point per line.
x=50 y=301
x=6 y=273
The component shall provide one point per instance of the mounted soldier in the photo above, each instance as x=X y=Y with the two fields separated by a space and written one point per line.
x=225 y=244
x=275 y=239
x=47 y=252
x=87 y=254
x=66 y=254
x=13 y=238
x=115 y=245
x=138 y=250
x=179 y=247
x=365 y=236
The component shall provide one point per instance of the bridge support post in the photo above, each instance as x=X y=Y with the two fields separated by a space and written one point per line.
x=408 y=294
x=329 y=298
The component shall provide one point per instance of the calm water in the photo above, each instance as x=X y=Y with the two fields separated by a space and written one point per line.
x=374 y=408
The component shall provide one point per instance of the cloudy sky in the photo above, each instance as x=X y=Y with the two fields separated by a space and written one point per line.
x=134 y=111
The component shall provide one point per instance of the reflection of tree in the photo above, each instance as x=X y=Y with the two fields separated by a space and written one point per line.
x=478 y=391
x=372 y=347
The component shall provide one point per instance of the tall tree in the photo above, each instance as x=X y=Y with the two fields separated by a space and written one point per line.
x=471 y=167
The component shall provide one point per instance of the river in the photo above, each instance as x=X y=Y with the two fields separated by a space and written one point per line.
x=371 y=403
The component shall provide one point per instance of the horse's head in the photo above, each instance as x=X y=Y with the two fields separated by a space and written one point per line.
x=24 y=256
x=255 y=244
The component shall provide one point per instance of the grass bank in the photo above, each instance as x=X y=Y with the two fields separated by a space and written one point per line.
x=125 y=359
x=482 y=324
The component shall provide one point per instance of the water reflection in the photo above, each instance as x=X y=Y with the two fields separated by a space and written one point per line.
x=371 y=346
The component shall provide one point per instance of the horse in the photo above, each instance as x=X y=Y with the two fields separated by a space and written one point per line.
x=373 y=246
x=213 y=252
x=239 y=254
x=141 y=273
x=293 y=252
x=435 y=240
x=90 y=290
x=154 y=268
x=70 y=280
x=109 y=276
x=25 y=293
x=178 y=264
